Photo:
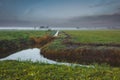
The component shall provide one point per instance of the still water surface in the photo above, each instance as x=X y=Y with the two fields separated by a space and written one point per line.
x=29 y=54
x=35 y=56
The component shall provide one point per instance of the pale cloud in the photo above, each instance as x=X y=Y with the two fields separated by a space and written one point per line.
x=58 y=12
x=104 y=3
x=101 y=20
x=27 y=11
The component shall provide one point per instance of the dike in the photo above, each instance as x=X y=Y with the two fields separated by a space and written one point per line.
x=60 y=50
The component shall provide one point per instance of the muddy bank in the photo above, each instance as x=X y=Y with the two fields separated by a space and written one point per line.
x=82 y=53
x=8 y=47
x=85 y=55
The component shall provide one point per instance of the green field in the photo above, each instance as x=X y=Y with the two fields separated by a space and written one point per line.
x=95 y=36
x=16 y=70
x=18 y=34
x=59 y=50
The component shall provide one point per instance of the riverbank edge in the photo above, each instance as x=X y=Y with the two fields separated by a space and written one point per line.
x=8 y=47
x=61 y=50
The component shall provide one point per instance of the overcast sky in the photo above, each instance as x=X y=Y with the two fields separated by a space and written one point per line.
x=60 y=12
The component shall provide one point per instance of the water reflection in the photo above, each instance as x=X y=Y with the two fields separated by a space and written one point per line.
x=29 y=54
x=34 y=55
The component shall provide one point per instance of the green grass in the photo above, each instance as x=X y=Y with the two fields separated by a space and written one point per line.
x=12 y=41
x=17 y=34
x=27 y=70
x=60 y=50
x=95 y=36
x=16 y=70
x=54 y=45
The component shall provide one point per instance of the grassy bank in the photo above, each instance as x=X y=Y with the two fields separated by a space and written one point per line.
x=39 y=71
x=14 y=40
x=65 y=48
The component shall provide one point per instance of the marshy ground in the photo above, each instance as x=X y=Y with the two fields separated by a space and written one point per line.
x=99 y=48
x=13 y=41
x=85 y=47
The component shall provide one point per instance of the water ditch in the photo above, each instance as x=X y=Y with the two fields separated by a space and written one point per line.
x=33 y=54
